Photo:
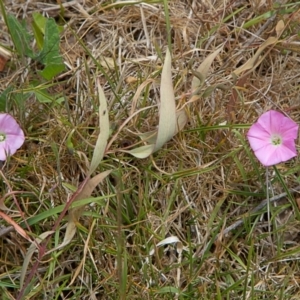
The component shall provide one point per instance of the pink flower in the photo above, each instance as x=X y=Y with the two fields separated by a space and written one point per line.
x=272 y=138
x=11 y=136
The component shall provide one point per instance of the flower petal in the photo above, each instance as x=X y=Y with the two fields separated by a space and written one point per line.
x=259 y=136
x=14 y=142
x=14 y=136
x=9 y=125
x=271 y=155
x=2 y=154
x=275 y=122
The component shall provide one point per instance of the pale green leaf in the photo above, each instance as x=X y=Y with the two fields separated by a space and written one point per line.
x=86 y=192
x=167 y=112
x=142 y=152
x=104 y=131
x=32 y=248
x=167 y=126
x=75 y=213
x=182 y=119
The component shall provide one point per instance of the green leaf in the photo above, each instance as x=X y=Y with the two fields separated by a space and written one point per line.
x=168 y=289
x=50 y=53
x=4 y=97
x=39 y=25
x=69 y=142
x=52 y=70
x=50 y=56
x=20 y=99
x=43 y=97
x=20 y=36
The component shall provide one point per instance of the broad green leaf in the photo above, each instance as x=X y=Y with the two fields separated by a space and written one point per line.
x=40 y=22
x=20 y=98
x=104 y=131
x=38 y=26
x=52 y=70
x=20 y=36
x=50 y=55
x=43 y=97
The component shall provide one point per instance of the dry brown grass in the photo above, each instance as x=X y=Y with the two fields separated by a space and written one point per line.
x=200 y=183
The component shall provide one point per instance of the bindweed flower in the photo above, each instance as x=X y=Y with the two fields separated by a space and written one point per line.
x=272 y=138
x=11 y=136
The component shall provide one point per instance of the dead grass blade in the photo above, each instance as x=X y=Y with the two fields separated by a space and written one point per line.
x=202 y=71
x=17 y=227
x=104 y=131
x=85 y=251
x=254 y=61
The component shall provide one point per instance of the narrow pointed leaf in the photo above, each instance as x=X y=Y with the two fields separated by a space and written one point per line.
x=142 y=152
x=104 y=131
x=20 y=36
x=167 y=112
x=86 y=192
x=167 y=126
x=29 y=254
x=254 y=61
x=75 y=213
x=204 y=68
x=17 y=227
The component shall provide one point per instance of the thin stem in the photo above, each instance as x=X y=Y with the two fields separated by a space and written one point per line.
x=268 y=200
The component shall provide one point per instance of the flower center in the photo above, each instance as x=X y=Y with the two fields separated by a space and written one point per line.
x=2 y=137
x=276 y=140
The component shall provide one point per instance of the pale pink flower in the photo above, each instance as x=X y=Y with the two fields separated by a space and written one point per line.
x=272 y=138
x=11 y=136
